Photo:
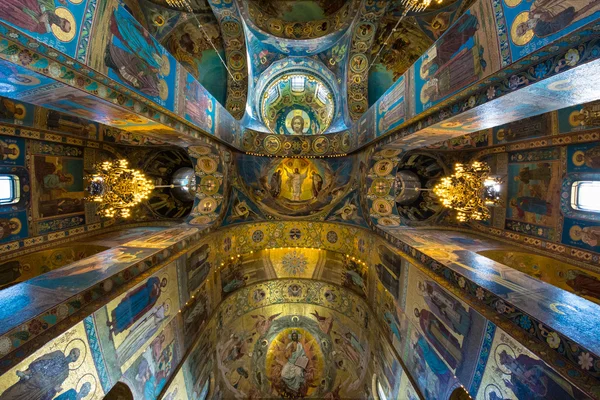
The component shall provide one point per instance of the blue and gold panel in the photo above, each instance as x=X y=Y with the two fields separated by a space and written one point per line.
x=391 y=108
x=200 y=106
x=583 y=158
x=149 y=373
x=16 y=113
x=533 y=203
x=12 y=151
x=466 y=53
x=13 y=226
x=581 y=117
x=82 y=274
x=57 y=23
x=456 y=336
x=63 y=370
x=508 y=361
x=534 y=24
x=582 y=234
x=135 y=58
x=527 y=128
x=127 y=325
x=15 y=80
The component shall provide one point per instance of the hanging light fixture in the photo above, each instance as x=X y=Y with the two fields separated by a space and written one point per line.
x=469 y=191
x=117 y=188
x=409 y=6
x=417 y=5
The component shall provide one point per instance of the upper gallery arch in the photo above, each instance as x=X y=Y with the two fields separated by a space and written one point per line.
x=200 y=40
x=299 y=27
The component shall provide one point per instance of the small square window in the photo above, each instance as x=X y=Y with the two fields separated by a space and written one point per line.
x=322 y=94
x=585 y=196
x=9 y=189
x=273 y=94
x=297 y=83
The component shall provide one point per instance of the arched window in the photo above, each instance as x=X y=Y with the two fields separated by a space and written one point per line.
x=10 y=192
x=585 y=196
x=322 y=93
x=298 y=83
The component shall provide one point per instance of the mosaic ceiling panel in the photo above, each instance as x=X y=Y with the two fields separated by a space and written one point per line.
x=297 y=104
x=300 y=19
x=200 y=41
x=300 y=90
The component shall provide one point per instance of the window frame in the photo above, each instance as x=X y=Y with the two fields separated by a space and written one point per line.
x=322 y=94
x=295 y=86
x=273 y=94
x=576 y=192
x=15 y=189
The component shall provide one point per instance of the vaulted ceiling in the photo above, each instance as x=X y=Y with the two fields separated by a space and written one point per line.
x=349 y=52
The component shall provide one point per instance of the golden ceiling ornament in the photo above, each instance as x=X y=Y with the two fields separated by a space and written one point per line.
x=117 y=188
x=469 y=191
x=417 y=5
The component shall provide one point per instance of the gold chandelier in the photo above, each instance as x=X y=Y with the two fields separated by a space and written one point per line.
x=416 y=5
x=469 y=191
x=118 y=188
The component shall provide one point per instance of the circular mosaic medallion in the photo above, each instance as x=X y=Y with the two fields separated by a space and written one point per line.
x=258 y=236
x=381 y=187
x=227 y=244
x=320 y=145
x=5 y=345
x=231 y=28
x=332 y=237
x=272 y=144
x=295 y=234
x=386 y=221
x=383 y=167
x=256 y=296
x=207 y=205
x=365 y=31
x=201 y=220
x=359 y=63
x=236 y=60
x=345 y=141
x=209 y=185
x=207 y=165
x=382 y=207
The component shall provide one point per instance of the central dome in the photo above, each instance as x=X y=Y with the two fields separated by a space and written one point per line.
x=297 y=104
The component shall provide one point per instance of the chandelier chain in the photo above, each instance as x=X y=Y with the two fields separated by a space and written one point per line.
x=409 y=6
x=186 y=5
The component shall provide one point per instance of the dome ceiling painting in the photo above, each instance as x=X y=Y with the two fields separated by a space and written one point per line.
x=297 y=96
x=288 y=188
x=297 y=104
